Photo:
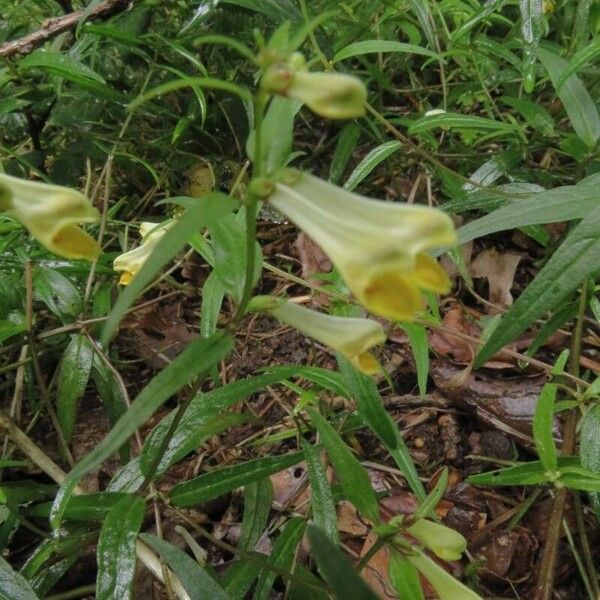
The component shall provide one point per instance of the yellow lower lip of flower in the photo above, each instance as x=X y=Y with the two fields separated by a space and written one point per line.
x=365 y=362
x=394 y=292
x=126 y=278
x=392 y=296
x=72 y=242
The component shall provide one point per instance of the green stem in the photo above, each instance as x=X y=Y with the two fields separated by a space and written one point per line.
x=545 y=583
x=251 y=206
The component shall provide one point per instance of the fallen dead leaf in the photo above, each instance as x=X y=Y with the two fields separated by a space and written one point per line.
x=499 y=269
x=312 y=257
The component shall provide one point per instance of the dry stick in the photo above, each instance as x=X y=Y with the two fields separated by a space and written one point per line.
x=46 y=464
x=545 y=584
x=53 y=27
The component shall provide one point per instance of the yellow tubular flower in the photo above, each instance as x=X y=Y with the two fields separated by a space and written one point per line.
x=330 y=95
x=51 y=213
x=132 y=261
x=443 y=541
x=352 y=337
x=379 y=247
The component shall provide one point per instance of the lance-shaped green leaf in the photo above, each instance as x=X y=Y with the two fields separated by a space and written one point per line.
x=282 y=556
x=589 y=448
x=214 y=484
x=321 y=498
x=374 y=415
x=336 y=569
x=116 y=555
x=14 y=586
x=576 y=259
x=194 y=579
x=198 y=357
x=73 y=376
x=577 y=101
x=531 y=30
x=566 y=203
x=353 y=477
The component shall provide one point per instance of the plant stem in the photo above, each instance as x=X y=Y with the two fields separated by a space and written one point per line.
x=251 y=207
x=545 y=584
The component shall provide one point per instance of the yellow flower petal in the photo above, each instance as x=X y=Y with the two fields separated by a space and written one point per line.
x=51 y=213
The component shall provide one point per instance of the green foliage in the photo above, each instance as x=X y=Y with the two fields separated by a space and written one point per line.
x=488 y=110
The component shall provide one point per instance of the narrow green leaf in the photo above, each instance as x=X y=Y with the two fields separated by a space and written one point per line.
x=589 y=447
x=336 y=569
x=417 y=337
x=239 y=577
x=85 y=507
x=404 y=577
x=344 y=148
x=536 y=116
x=564 y=203
x=216 y=483
x=211 y=207
x=381 y=46
x=116 y=555
x=59 y=63
x=57 y=292
x=209 y=83
x=373 y=414
x=63 y=65
x=531 y=30
x=562 y=316
x=184 y=440
x=201 y=419
x=12 y=585
x=526 y=474
x=427 y=506
x=579 y=60
x=353 y=477
x=576 y=259
x=194 y=579
x=278 y=134
x=229 y=245
x=321 y=497
x=374 y=158
x=446 y=586
x=73 y=376
x=577 y=101
x=543 y=421
x=448 y=120
x=198 y=357
x=281 y=557
x=258 y=496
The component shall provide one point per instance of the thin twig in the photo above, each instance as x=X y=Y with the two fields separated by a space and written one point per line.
x=53 y=27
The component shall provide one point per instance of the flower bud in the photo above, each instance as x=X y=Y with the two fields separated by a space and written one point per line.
x=443 y=541
x=352 y=337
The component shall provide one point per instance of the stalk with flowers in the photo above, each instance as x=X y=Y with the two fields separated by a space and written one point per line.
x=380 y=249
